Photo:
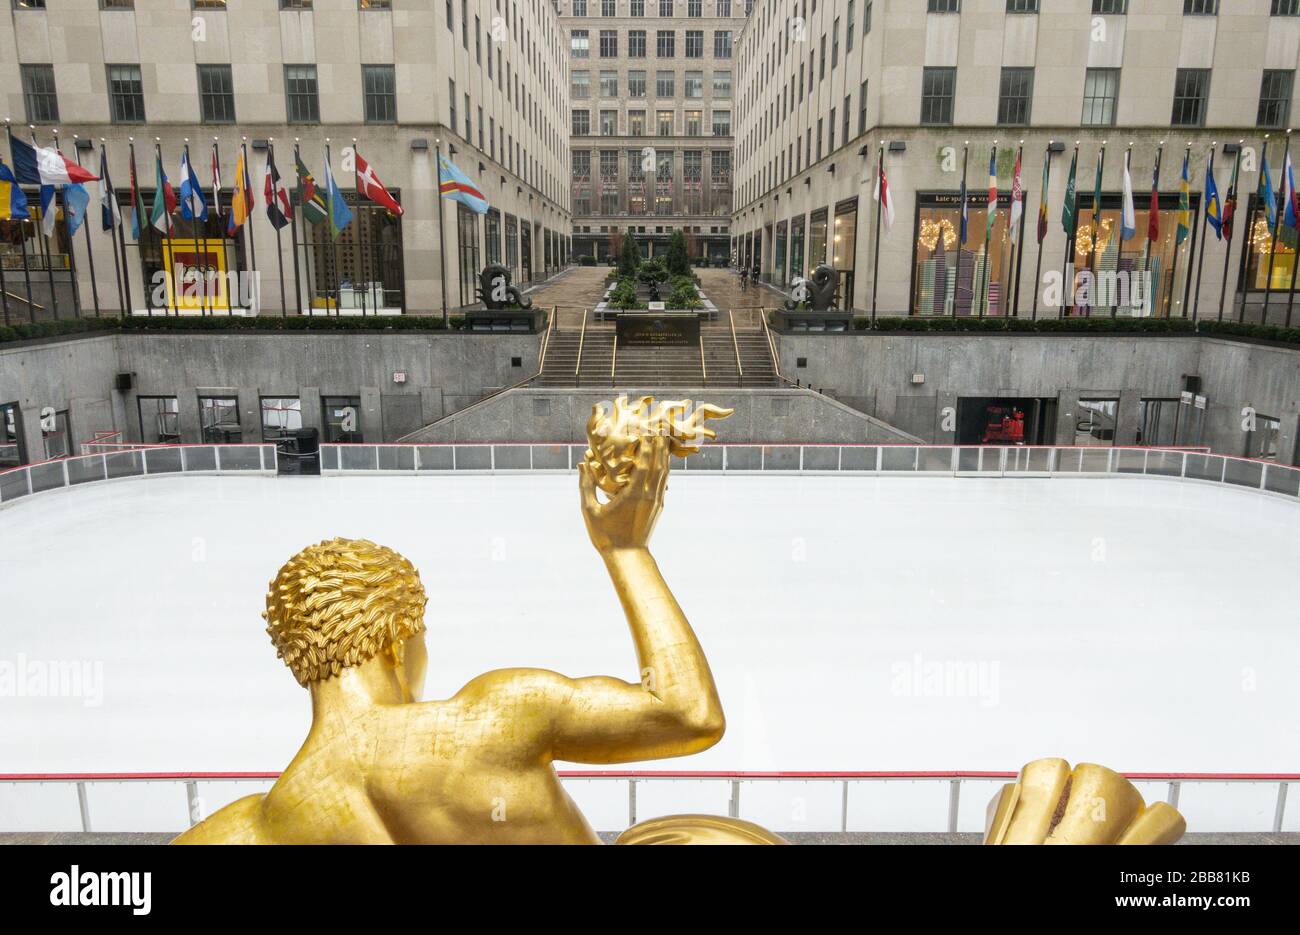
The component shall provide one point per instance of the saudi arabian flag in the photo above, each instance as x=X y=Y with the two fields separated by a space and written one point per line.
x=1069 y=208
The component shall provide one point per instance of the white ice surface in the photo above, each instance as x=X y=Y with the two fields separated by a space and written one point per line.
x=1145 y=624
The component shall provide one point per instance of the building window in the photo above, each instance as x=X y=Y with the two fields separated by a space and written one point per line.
x=848 y=30
x=1200 y=7
x=694 y=84
x=609 y=43
x=1100 y=97
x=722 y=123
x=375 y=4
x=126 y=93
x=609 y=84
x=835 y=43
x=451 y=105
x=722 y=84
x=636 y=43
x=159 y=420
x=665 y=84
x=721 y=43
x=637 y=8
x=295 y=4
x=937 y=86
x=301 y=101
x=636 y=83
x=1285 y=8
x=219 y=420
x=943 y=6
x=579 y=85
x=341 y=419
x=1275 y=98
x=607 y=8
x=862 y=109
x=362 y=269
x=723 y=8
x=694 y=120
x=281 y=417
x=664 y=120
x=666 y=8
x=1022 y=6
x=492 y=234
x=665 y=43
x=636 y=123
x=581 y=123
x=695 y=43
x=1261 y=258
x=579 y=43
x=1116 y=7
x=609 y=123
x=695 y=8
x=1015 y=96
x=1191 y=89
x=38 y=94
x=380 y=85
x=117 y=4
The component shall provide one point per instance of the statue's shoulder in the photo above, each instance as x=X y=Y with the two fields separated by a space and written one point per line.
x=513 y=686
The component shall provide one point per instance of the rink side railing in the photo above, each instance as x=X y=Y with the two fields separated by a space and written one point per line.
x=734 y=783
x=116 y=461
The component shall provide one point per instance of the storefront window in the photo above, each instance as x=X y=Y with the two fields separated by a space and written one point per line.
x=281 y=416
x=778 y=260
x=467 y=243
x=362 y=270
x=844 y=246
x=1256 y=277
x=1094 y=422
x=1158 y=422
x=219 y=420
x=952 y=278
x=492 y=229
x=57 y=443
x=341 y=419
x=817 y=239
x=512 y=246
x=159 y=417
x=796 y=247
x=11 y=443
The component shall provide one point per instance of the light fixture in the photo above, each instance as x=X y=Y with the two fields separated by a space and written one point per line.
x=420 y=144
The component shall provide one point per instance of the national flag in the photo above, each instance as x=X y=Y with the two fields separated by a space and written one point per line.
x=13 y=203
x=1184 y=203
x=49 y=210
x=1153 y=209
x=75 y=202
x=1127 y=215
x=1070 y=207
x=137 y=202
x=278 y=208
x=45 y=165
x=241 y=205
x=194 y=207
x=1266 y=194
x=164 y=199
x=992 y=211
x=1291 y=209
x=1096 y=200
x=1017 y=201
x=109 y=211
x=216 y=183
x=885 y=197
x=340 y=215
x=965 y=214
x=309 y=196
x=368 y=184
x=456 y=185
x=27 y=167
x=1042 y=199
x=1213 y=210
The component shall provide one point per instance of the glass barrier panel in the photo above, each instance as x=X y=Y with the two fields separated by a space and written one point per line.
x=935 y=459
x=1067 y=460
x=780 y=457
x=1165 y=463
x=898 y=458
x=200 y=458
x=821 y=458
x=162 y=460
x=708 y=458
x=124 y=464
x=239 y=457
x=1282 y=479
x=576 y=453
x=1204 y=467
x=858 y=457
x=1243 y=473
x=84 y=470
x=13 y=484
x=329 y=457
x=744 y=457
x=510 y=457
x=1130 y=460
x=395 y=457
x=357 y=457
x=46 y=476
x=1094 y=460
x=433 y=458
x=550 y=457
x=968 y=459
x=473 y=457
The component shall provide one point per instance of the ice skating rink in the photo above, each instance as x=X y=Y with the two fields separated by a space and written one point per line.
x=853 y=623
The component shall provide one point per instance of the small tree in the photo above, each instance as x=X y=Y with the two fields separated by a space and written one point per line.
x=630 y=258
x=678 y=259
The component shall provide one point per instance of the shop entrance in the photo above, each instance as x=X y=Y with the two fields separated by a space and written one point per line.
x=1006 y=420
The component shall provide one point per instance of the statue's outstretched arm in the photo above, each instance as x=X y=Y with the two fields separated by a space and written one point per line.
x=674 y=708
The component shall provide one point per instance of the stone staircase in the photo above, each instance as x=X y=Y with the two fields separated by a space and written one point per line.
x=578 y=356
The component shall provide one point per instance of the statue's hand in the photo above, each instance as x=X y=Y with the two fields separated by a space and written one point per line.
x=628 y=518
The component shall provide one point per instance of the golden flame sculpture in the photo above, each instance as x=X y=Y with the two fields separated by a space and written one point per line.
x=615 y=434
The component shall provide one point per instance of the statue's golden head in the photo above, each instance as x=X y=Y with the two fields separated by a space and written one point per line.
x=339 y=603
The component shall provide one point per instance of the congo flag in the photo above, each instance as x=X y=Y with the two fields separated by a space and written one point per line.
x=458 y=186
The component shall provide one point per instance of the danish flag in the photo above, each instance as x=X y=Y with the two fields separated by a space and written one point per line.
x=368 y=184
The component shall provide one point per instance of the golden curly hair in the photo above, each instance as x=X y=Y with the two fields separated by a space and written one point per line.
x=336 y=604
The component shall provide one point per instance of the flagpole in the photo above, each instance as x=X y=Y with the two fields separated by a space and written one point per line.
x=334 y=240
x=293 y=230
x=991 y=214
x=274 y=176
x=41 y=239
x=67 y=229
x=135 y=205
x=1128 y=174
x=221 y=228
x=1191 y=229
x=1151 y=244
x=194 y=232
x=1232 y=222
x=22 y=233
x=202 y=239
x=442 y=245
x=1017 y=261
x=1205 y=207
x=1096 y=227
x=1042 y=211
x=361 y=247
x=252 y=237
x=167 y=235
x=961 y=232
x=880 y=207
x=90 y=256
x=107 y=188
x=1067 y=267
x=1277 y=227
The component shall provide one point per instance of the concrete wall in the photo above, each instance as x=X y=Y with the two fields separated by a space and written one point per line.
x=874 y=372
x=762 y=415
x=444 y=373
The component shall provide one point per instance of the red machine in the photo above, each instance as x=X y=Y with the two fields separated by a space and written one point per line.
x=1005 y=426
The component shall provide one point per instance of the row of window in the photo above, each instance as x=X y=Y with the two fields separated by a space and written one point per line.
x=664 y=125
x=1101 y=97
x=665 y=43
x=667 y=8
x=216 y=94
x=1120 y=7
x=665 y=84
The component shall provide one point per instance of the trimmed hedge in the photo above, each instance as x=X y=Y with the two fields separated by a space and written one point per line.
x=1028 y=325
x=1278 y=333
x=53 y=329
x=224 y=323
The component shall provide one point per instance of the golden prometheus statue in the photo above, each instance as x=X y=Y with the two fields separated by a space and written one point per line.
x=381 y=766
